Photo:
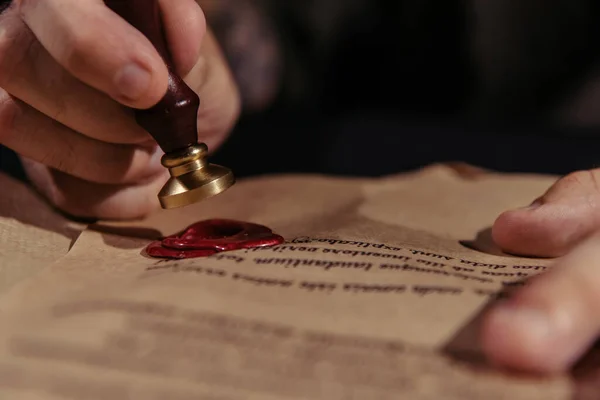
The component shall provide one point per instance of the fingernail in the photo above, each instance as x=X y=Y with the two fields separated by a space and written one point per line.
x=133 y=81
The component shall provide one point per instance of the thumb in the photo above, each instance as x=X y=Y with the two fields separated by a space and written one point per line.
x=556 y=222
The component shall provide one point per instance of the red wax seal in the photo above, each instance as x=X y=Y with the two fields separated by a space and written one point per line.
x=212 y=236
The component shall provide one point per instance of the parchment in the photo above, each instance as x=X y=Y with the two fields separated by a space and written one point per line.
x=32 y=235
x=375 y=295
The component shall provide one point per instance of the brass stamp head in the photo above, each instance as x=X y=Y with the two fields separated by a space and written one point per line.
x=192 y=178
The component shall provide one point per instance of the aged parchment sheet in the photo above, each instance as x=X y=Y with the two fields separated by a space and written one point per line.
x=375 y=295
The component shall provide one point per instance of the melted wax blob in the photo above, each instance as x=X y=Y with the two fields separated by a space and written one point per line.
x=212 y=236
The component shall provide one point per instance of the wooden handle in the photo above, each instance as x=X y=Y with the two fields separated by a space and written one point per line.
x=173 y=121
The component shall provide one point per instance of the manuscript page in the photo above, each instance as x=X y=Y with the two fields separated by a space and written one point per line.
x=376 y=294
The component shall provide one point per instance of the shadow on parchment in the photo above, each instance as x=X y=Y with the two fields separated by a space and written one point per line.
x=125 y=237
x=484 y=243
x=128 y=237
x=464 y=346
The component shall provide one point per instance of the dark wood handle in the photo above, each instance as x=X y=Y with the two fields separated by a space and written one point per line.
x=173 y=121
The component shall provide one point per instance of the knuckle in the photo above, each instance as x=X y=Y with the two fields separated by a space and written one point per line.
x=571 y=180
x=585 y=178
x=576 y=178
x=74 y=50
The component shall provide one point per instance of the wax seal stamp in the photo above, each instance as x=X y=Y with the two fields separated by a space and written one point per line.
x=173 y=121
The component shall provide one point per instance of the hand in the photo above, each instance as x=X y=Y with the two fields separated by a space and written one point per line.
x=547 y=325
x=68 y=68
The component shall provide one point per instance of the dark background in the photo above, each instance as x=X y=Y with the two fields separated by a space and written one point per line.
x=384 y=86
x=396 y=86
x=377 y=144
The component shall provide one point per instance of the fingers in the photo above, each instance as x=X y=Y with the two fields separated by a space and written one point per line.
x=220 y=102
x=185 y=28
x=551 y=322
x=28 y=72
x=99 y=48
x=34 y=135
x=85 y=199
x=564 y=216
